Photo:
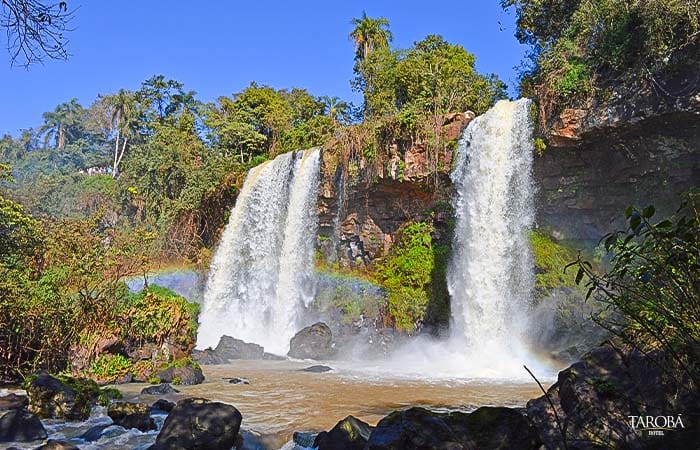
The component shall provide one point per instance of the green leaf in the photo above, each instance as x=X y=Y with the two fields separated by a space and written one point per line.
x=648 y=212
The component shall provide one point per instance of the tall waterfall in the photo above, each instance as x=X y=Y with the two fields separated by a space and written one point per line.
x=491 y=275
x=261 y=273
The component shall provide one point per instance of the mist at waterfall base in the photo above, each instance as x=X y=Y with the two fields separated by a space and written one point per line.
x=261 y=279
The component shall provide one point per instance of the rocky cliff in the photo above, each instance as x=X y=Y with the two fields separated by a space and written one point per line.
x=636 y=143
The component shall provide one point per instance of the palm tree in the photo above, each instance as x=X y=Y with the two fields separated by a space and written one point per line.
x=122 y=111
x=62 y=124
x=369 y=34
x=336 y=109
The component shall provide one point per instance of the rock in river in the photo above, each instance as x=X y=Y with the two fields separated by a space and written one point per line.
x=51 y=398
x=20 y=425
x=186 y=375
x=348 y=434
x=197 y=423
x=131 y=415
x=160 y=389
x=313 y=342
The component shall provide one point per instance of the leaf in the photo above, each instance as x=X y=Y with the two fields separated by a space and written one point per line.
x=579 y=276
x=629 y=211
x=648 y=212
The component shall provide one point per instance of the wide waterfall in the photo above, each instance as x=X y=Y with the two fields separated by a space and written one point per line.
x=491 y=275
x=261 y=276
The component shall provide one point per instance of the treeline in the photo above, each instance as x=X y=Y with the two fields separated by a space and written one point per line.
x=580 y=47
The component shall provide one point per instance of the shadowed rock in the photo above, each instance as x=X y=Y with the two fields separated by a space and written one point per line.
x=316 y=369
x=312 y=342
x=21 y=426
x=348 y=434
x=161 y=389
x=131 y=415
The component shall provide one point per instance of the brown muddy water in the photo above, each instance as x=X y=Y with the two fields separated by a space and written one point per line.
x=281 y=399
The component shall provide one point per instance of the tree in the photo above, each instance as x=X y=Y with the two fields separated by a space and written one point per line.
x=369 y=34
x=336 y=109
x=63 y=123
x=35 y=30
x=122 y=115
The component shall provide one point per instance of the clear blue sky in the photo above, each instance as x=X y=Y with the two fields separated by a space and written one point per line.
x=218 y=47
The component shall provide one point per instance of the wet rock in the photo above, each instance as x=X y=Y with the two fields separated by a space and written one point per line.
x=21 y=426
x=197 y=423
x=208 y=357
x=162 y=405
x=13 y=401
x=94 y=433
x=237 y=380
x=487 y=427
x=312 y=342
x=160 y=389
x=51 y=398
x=595 y=397
x=53 y=444
x=131 y=415
x=230 y=348
x=186 y=375
x=316 y=369
x=304 y=438
x=348 y=434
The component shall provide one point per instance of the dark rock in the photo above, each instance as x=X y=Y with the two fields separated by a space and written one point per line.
x=21 y=426
x=316 y=369
x=208 y=357
x=13 y=401
x=94 y=433
x=160 y=389
x=50 y=398
x=595 y=397
x=131 y=415
x=312 y=342
x=162 y=405
x=186 y=375
x=304 y=438
x=53 y=444
x=230 y=348
x=196 y=423
x=348 y=434
x=237 y=380
x=487 y=427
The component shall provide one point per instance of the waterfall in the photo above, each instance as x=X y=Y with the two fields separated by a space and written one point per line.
x=260 y=276
x=491 y=274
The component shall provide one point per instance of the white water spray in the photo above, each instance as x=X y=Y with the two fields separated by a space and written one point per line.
x=261 y=273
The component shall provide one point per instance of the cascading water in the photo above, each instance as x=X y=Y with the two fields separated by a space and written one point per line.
x=491 y=272
x=491 y=275
x=260 y=275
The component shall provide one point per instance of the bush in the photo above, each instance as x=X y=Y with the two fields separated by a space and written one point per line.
x=110 y=367
x=652 y=286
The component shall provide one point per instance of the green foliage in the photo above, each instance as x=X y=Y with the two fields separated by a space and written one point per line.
x=652 y=285
x=551 y=259
x=578 y=45
x=107 y=395
x=412 y=273
x=110 y=367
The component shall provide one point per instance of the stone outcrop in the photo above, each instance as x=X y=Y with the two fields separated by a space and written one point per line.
x=348 y=434
x=131 y=415
x=196 y=423
x=186 y=375
x=51 y=398
x=230 y=348
x=637 y=143
x=160 y=389
x=312 y=342
x=363 y=203
x=19 y=425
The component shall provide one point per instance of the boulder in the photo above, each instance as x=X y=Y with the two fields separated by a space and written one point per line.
x=595 y=397
x=236 y=380
x=20 y=425
x=208 y=357
x=53 y=444
x=348 y=434
x=160 y=389
x=316 y=369
x=487 y=427
x=162 y=405
x=51 y=398
x=94 y=433
x=312 y=342
x=197 y=423
x=131 y=415
x=13 y=401
x=186 y=375
x=230 y=348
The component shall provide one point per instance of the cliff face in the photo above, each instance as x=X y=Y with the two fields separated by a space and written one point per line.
x=363 y=204
x=636 y=144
